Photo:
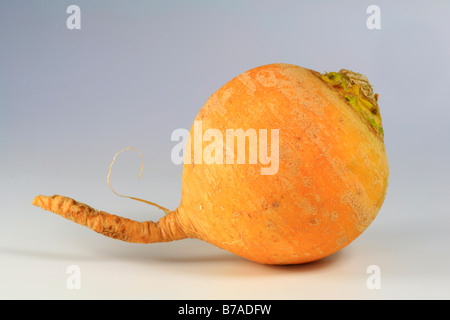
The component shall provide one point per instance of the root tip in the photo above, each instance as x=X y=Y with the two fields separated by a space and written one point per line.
x=40 y=201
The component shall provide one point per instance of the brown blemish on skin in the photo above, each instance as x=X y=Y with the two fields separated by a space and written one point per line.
x=307 y=182
x=362 y=209
x=341 y=241
x=270 y=225
x=333 y=216
x=248 y=82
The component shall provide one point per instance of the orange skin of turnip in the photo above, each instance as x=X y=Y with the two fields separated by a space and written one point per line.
x=330 y=185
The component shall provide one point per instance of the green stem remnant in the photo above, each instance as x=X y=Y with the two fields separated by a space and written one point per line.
x=357 y=90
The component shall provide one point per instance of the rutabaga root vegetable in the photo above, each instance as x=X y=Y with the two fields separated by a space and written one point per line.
x=329 y=184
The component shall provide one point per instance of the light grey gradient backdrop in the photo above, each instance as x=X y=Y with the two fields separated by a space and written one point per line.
x=137 y=70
